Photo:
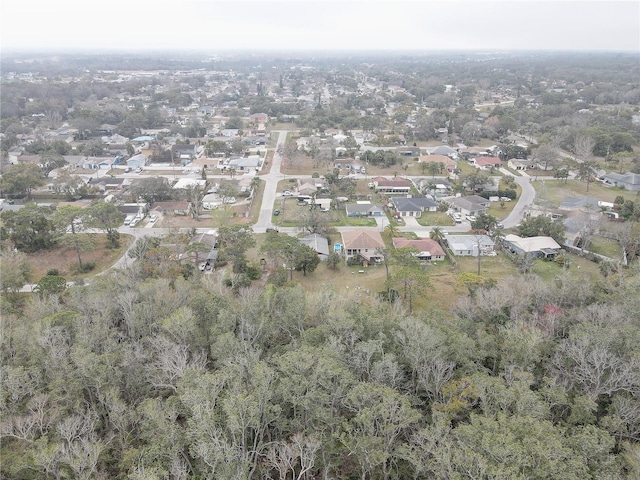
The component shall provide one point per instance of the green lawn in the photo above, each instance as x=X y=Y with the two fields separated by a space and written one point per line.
x=605 y=246
x=291 y=211
x=435 y=218
x=554 y=191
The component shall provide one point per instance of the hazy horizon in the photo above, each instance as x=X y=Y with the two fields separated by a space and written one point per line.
x=320 y=26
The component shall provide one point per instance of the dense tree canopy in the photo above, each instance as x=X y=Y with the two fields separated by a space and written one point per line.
x=130 y=377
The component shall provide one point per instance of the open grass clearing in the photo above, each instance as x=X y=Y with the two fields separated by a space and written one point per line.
x=65 y=259
x=552 y=192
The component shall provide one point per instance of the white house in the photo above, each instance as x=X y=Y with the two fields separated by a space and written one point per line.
x=470 y=245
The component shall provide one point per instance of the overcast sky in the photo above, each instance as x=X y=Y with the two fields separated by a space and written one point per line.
x=320 y=25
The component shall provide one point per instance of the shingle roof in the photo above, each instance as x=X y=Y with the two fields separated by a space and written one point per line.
x=423 y=244
x=413 y=204
x=369 y=239
x=532 y=244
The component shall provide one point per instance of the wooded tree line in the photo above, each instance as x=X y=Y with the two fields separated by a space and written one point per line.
x=149 y=378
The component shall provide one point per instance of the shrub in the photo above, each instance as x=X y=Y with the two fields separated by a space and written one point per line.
x=253 y=272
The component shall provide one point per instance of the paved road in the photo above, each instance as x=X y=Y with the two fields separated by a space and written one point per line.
x=526 y=198
x=271 y=188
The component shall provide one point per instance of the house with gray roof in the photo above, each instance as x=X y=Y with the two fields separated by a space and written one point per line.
x=628 y=181
x=245 y=164
x=364 y=209
x=413 y=206
x=471 y=204
x=579 y=203
x=443 y=150
x=138 y=161
x=318 y=243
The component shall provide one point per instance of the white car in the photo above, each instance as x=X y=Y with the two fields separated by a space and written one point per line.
x=287 y=193
x=471 y=218
x=230 y=200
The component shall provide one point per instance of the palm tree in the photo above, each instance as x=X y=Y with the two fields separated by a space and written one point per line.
x=437 y=235
x=392 y=230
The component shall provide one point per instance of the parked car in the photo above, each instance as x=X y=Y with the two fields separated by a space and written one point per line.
x=287 y=193
x=230 y=200
x=153 y=218
x=471 y=218
x=276 y=212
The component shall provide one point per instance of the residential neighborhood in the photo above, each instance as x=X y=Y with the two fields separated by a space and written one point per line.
x=303 y=266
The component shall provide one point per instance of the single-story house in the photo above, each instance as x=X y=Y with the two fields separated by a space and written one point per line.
x=470 y=245
x=362 y=244
x=471 y=204
x=255 y=140
x=175 y=208
x=628 y=181
x=392 y=185
x=211 y=201
x=439 y=187
x=408 y=151
x=364 y=209
x=544 y=247
x=318 y=243
x=309 y=187
x=184 y=183
x=413 y=206
x=520 y=164
x=346 y=164
x=230 y=132
x=443 y=150
x=486 y=163
x=185 y=152
x=429 y=249
x=448 y=164
x=100 y=163
x=108 y=183
x=579 y=203
x=210 y=240
x=259 y=118
x=134 y=208
x=138 y=161
x=244 y=164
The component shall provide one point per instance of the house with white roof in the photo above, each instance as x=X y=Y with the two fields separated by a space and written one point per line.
x=543 y=247
x=470 y=245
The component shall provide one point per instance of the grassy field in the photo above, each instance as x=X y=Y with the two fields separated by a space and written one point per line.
x=65 y=260
x=442 y=292
x=554 y=191
x=291 y=211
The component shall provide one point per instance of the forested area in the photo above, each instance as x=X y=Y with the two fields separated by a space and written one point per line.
x=150 y=378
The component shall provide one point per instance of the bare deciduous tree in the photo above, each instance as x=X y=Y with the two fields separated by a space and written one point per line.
x=583 y=146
